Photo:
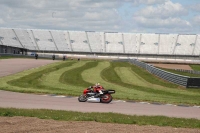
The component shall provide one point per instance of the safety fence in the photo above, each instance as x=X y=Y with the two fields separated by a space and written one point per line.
x=188 y=71
x=181 y=80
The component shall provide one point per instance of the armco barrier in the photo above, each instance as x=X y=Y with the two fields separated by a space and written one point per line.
x=184 y=81
x=188 y=71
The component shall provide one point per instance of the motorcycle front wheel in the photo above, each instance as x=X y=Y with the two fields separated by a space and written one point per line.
x=107 y=98
x=82 y=98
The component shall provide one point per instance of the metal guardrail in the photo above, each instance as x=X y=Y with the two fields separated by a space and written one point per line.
x=188 y=71
x=171 y=77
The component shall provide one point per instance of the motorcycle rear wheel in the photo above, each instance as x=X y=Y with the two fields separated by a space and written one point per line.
x=82 y=98
x=107 y=98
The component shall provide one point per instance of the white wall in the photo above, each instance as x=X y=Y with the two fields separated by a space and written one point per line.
x=114 y=40
x=79 y=37
x=25 y=39
x=96 y=42
x=197 y=46
x=61 y=41
x=148 y=44
x=44 y=42
x=9 y=38
x=167 y=43
x=133 y=43
x=185 y=45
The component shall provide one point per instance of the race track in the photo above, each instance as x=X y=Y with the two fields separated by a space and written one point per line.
x=32 y=101
x=11 y=66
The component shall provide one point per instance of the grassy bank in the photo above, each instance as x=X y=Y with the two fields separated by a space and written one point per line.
x=102 y=117
x=71 y=77
x=7 y=57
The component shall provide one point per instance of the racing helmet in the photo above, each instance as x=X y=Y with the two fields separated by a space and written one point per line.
x=97 y=84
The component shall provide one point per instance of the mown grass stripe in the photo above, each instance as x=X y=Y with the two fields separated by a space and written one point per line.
x=52 y=79
x=94 y=75
x=110 y=75
x=82 y=74
x=74 y=77
x=34 y=80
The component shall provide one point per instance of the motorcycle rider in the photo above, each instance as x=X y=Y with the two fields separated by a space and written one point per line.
x=97 y=88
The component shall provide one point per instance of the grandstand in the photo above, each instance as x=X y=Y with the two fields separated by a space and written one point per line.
x=158 y=47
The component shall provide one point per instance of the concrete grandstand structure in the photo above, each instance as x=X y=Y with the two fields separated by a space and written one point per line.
x=125 y=45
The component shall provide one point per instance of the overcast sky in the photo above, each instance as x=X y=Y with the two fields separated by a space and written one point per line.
x=138 y=16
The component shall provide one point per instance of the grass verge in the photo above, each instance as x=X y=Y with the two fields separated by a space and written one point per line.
x=101 y=117
x=14 y=56
x=195 y=67
x=73 y=76
x=151 y=93
x=52 y=80
x=20 y=84
x=34 y=79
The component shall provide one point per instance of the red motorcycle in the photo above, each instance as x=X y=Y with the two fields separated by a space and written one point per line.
x=92 y=96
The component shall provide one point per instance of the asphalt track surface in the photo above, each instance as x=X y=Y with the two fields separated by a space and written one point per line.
x=32 y=101
x=11 y=66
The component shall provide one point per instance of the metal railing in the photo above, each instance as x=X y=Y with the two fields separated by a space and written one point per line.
x=188 y=71
x=171 y=77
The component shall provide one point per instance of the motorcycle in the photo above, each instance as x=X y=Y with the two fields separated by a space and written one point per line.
x=90 y=96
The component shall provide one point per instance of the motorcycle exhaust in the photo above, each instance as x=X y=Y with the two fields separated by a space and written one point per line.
x=92 y=99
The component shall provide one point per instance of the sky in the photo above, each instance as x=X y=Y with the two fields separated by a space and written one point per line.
x=127 y=16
